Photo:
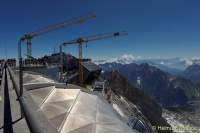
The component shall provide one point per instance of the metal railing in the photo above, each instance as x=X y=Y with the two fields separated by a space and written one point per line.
x=132 y=110
x=35 y=118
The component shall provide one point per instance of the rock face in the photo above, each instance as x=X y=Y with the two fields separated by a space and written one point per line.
x=193 y=72
x=111 y=66
x=164 y=88
x=156 y=83
x=149 y=108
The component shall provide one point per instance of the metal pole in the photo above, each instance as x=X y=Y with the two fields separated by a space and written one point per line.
x=29 y=48
x=61 y=62
x=80 y=64
x=20 y=69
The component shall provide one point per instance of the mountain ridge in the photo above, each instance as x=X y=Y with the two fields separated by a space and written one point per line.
x=171 y=65
x=166 y=89
x=149 y=108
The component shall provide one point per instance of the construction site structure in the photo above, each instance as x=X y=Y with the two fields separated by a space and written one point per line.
x=29 y=36
x=83 y=40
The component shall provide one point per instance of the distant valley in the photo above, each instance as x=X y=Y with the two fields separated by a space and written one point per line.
x=171 y=82
x=173 y=88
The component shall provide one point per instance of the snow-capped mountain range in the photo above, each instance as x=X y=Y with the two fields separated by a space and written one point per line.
x=171 y=63
x=124 y=59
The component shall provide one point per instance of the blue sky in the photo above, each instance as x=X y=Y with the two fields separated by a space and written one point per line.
x=157 y=28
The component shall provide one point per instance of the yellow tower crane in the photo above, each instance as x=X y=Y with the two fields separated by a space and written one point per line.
x=82 y=40
x=29 y=36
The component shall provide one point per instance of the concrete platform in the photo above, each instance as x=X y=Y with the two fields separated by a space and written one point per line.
x=20 y=125
x=10 y=111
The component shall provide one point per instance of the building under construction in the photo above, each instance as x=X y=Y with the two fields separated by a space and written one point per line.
x=52 y=91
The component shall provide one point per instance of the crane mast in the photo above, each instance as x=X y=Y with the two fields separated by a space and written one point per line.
x=29 y=36
x=82 y=40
